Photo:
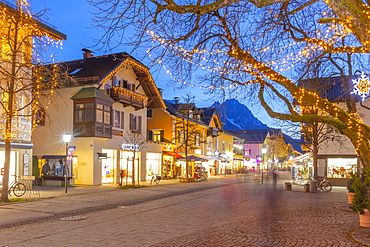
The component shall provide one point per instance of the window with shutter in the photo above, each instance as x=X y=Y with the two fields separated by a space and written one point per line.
x=139 y=125
x=131 y=122
x=162 y=135
x=150 y=135
x=122 y=120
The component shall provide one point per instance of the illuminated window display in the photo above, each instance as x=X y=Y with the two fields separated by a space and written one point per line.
x=341 y=167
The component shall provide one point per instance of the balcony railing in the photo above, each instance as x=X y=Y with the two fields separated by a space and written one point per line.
x=128 y=97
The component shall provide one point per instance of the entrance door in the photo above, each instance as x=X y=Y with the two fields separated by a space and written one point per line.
x=108 y=168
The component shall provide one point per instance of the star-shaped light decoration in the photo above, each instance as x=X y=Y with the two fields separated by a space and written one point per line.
x=361 y=86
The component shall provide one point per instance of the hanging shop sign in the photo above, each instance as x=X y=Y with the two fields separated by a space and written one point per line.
x=102 y=156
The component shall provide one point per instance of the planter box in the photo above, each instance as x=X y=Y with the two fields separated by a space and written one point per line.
x=350 y=196
x=365 y=219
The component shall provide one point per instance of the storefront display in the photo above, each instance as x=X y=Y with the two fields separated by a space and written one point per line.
x=153 y=164
x=108 y=167
x=302 y=171
x=341 y=167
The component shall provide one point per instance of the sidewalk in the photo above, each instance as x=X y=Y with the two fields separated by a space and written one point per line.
x=52 y=203
x=55 y=204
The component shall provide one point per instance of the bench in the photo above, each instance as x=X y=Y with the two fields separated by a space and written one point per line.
x=289 y=185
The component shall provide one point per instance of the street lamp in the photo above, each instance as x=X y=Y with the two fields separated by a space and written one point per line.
x=66 y=139
x=263 y=151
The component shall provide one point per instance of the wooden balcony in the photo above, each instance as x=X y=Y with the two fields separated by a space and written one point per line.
x=128 y=97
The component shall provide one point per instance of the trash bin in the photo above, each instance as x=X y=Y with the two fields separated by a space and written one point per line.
x=313 y=186
x=288 y=186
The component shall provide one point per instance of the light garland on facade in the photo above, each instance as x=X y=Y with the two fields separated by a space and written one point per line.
x=27 y=92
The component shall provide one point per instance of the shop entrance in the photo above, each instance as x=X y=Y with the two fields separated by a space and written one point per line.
x=126 y=159
x=108 y=168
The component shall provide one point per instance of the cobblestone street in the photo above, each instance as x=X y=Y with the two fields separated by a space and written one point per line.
x=221 y=212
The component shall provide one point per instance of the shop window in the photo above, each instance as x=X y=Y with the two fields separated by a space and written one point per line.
x=341 y=167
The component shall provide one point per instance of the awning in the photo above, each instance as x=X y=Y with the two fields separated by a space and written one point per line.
x=238 y=157
x=53 y=157
x=213 y=158
x=174 y=154
x=302 y=157
x=193 y=158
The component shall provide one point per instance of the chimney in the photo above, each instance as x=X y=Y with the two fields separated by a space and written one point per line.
x=87 y=53
x=160 y=91
x=176 y=99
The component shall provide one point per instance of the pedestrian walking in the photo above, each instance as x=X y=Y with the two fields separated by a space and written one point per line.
x=274 y=176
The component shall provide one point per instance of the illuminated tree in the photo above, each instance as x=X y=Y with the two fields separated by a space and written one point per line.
x=20 y=91
x=276 y=147
x=250 y=47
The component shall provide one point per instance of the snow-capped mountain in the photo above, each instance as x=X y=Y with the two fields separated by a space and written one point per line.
x=237 y=116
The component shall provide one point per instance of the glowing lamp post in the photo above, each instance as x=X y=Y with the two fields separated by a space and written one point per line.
x=66 y=139
x=263 y=151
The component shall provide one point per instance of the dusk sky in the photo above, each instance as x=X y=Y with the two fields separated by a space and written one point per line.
x=73 y=18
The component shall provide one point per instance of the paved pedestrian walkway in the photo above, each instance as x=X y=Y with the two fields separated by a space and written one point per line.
x=55 y=204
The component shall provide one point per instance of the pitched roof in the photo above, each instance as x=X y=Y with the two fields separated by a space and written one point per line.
x=255 y=135
x=208 y=114
x=92 y=92
x=174 y=109
x=50 y=29
x=333 y=89
x=96 y=70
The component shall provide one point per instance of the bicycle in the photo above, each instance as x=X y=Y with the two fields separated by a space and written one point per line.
x=324 y=185
x=18 y=188
x=155 y=179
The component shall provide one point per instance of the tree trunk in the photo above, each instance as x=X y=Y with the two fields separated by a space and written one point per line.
x=9 y=119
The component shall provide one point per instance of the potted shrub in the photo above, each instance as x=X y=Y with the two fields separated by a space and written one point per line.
x=361 y=199
x=350 y=189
